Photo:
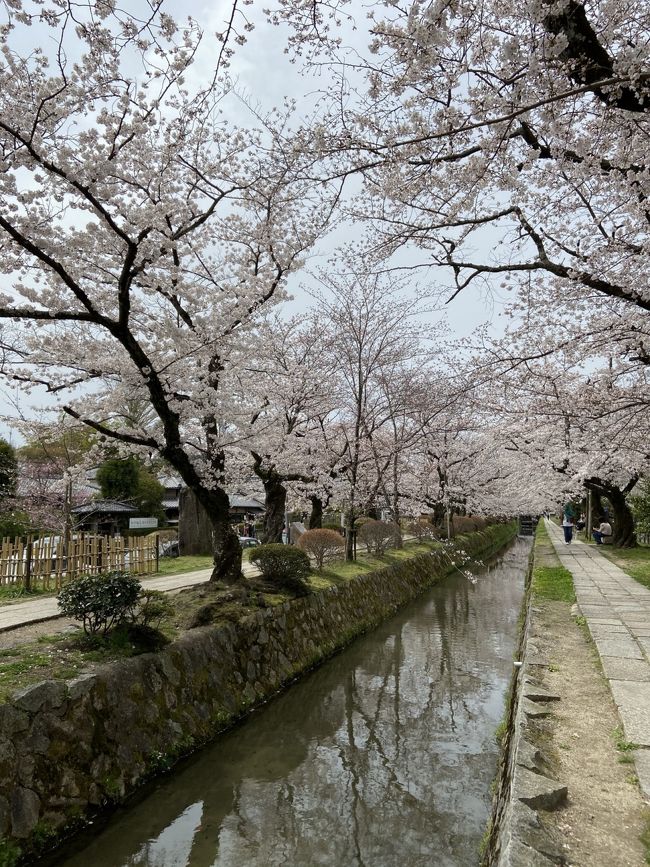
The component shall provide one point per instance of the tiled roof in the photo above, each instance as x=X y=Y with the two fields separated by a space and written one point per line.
x=250 y=503
x=112 y=506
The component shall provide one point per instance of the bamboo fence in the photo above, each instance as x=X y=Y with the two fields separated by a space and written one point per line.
x=49 y=562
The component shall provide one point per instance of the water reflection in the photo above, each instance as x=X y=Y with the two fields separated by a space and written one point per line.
x=382 y=756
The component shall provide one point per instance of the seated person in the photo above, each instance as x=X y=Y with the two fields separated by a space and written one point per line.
x=605 y=529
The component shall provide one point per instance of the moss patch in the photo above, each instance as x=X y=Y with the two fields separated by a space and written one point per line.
x=9 y=854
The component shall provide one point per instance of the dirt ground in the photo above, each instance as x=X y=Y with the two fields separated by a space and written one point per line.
x=27 y=634
x=32 y=632
x=606 y=814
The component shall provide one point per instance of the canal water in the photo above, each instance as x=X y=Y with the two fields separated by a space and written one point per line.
x=381 y=757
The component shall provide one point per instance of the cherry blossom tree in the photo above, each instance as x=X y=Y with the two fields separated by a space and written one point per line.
x=371 y=333
x=508 y=142
x=292 y=383
x=586 y=424
x=504 y=140
x=52 y=463
x=141 y=231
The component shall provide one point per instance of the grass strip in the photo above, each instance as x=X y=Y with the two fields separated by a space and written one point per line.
x=550 y=579
x=341 y=571
x=553 y=582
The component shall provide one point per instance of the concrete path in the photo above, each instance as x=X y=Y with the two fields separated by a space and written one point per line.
x=617 y=611
x=45 y=608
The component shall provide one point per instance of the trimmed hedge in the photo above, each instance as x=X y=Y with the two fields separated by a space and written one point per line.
x=283 y=566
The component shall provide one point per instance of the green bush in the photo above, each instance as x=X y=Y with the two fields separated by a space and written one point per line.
x=284 y=566
x=100 y=601
x=13 y=523
x=152 y=607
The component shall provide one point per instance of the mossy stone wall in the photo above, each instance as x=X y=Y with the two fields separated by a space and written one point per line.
x=69 y=748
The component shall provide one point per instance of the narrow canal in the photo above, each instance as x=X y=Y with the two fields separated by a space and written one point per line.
x=383 y=756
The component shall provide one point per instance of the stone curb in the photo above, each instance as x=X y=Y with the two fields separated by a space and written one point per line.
x=523 y=841
x=526 y=784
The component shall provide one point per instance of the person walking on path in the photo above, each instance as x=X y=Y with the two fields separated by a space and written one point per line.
x=567 y=526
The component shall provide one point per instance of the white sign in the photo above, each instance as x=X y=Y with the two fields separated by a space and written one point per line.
x=143 y=523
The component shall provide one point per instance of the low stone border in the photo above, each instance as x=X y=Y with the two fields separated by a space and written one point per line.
x=526 y=781
x=522 y=840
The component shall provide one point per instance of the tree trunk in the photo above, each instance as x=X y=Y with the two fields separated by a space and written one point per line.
x=349 y=535
x=204 y=528
x=623 y=529
x=438 y=513
x=349 y=544
x=399 y=542
x=275 y=501
x=227 y=553
x=226 y=550
x=624 y=535
x=316 y=516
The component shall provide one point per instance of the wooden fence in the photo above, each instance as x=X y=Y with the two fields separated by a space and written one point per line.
x=49 y=562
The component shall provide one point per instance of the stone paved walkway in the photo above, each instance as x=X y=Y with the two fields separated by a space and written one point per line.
x=617 y=611
x=46 y=608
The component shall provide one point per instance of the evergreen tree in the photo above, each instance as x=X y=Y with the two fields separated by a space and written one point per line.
x=8 y=470
x=126 y=479
x=118 y=478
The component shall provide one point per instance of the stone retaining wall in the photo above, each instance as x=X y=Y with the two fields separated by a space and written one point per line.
x=69 y=748
x=526 y=781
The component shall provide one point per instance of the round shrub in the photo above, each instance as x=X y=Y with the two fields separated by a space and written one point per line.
x=322 y=545
x=379 y=535
x=284 y=566
x=100 y=601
